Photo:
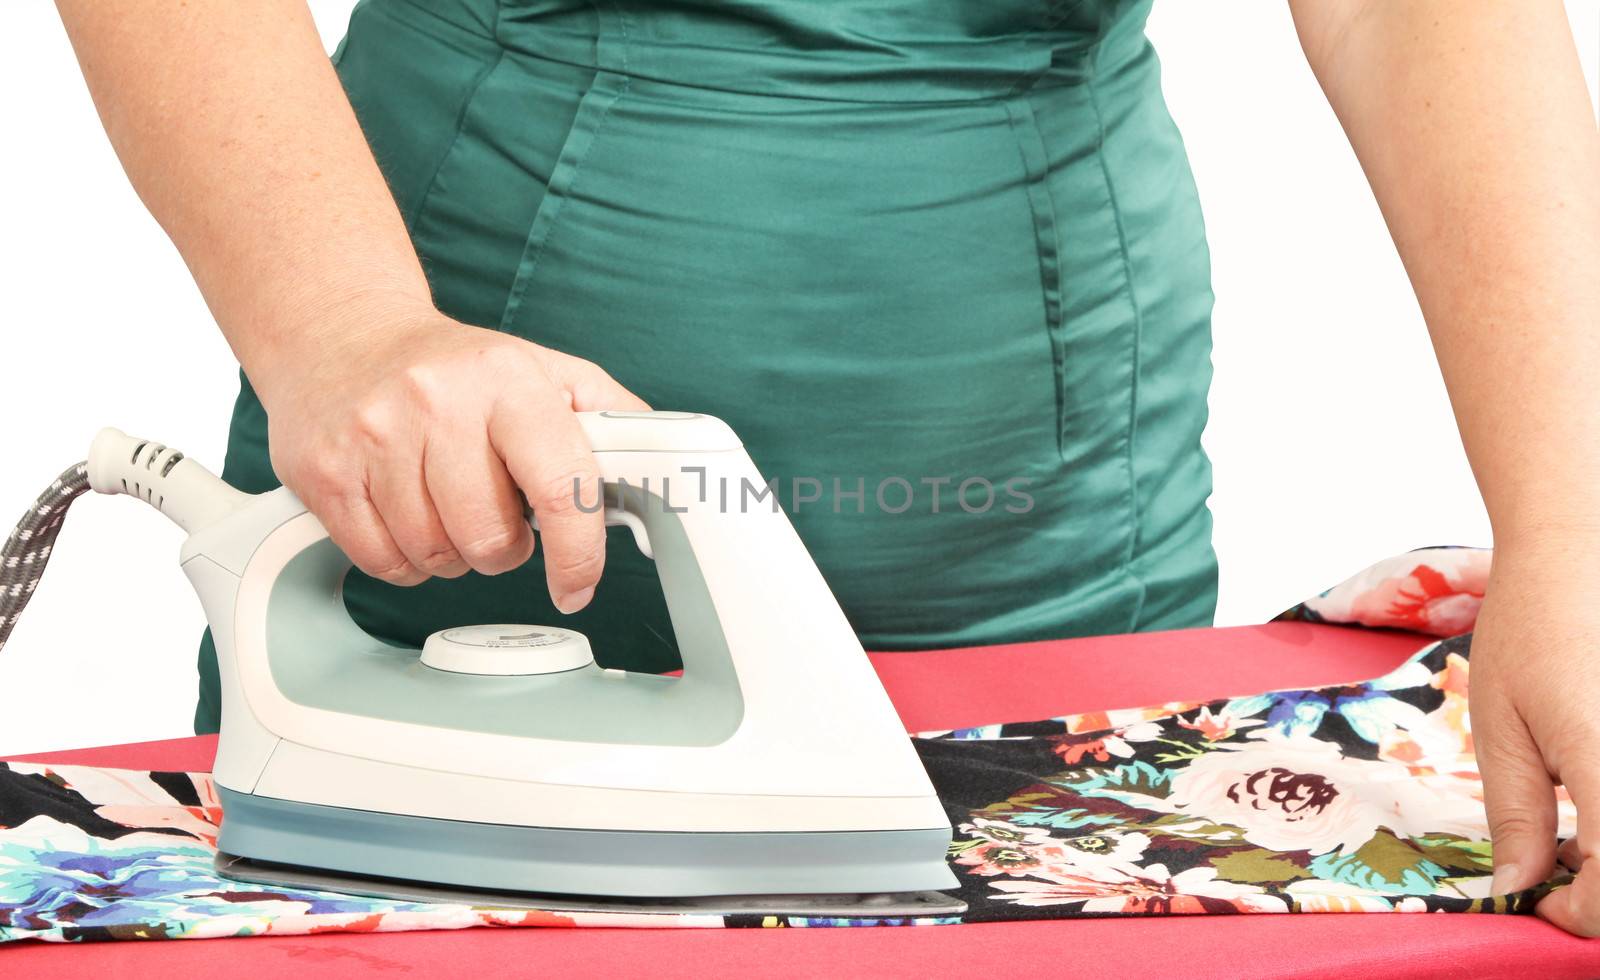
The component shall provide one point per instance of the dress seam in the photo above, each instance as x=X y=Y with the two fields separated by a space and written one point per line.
x=1092 y=86
x=543 y=227
x=1042 y=211
x=415 y=213
x=1026 y=82
x=610 y=85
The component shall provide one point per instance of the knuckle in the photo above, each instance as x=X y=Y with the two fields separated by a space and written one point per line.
x=1499 y=739
x=1573 y=748
x=569 y=493
x=381 y=564
x=444 y=561
x=377 y=563
x=321 y=479
x=400 y=572
x=1514 y=823
x=369 y=426
x=583 y=370
x=375 y=425
x=492 y=545
x=577 y=564
x=424 y=383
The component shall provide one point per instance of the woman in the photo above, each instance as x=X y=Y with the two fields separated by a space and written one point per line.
x=931 y=245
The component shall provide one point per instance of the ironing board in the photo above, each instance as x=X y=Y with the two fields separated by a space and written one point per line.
x=944 y=689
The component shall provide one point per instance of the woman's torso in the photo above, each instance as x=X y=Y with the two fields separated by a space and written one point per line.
x=945 y=253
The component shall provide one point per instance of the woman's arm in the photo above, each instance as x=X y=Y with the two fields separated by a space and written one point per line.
x=407 y=433
x=236 y=133
x=1472 y=122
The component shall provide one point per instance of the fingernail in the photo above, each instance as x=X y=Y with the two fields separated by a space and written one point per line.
x=573 y=601
x=1505 y=879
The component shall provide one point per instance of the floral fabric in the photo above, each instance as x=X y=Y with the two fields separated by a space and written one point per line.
x=1361 y=797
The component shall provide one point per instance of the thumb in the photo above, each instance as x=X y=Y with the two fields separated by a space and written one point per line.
x=1520 y=799
x=1576 y=908
x=590 y=387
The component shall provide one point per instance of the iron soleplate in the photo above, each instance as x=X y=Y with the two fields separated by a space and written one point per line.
x=892 y=905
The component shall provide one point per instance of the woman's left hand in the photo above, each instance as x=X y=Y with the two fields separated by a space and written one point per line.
x=1473 y=124
x=1535 y=723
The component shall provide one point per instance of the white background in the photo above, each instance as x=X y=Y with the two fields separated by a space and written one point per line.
x=1331 y=436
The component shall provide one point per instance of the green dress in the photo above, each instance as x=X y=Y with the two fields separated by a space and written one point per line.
x=940 y=263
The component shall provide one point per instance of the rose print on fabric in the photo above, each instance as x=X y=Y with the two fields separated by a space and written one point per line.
x=1300 y=794
x=1361 y=797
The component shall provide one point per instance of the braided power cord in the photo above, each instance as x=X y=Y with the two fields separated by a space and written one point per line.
x=28 y=548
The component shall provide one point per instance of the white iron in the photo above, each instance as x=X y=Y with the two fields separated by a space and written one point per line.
x=501 y=758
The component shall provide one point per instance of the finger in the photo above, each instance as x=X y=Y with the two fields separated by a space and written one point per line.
x=589 y=387
x=477 y=502
x=1569 y=855
x=547 y=455
x=1576 y=908
x=399 y=491
x=354 y=525
x=1521 y=802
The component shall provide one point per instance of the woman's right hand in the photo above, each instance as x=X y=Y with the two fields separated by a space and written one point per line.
x=406 y=432
x=410 y=435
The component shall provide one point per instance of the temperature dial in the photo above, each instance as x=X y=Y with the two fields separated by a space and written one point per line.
x=507 y=649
